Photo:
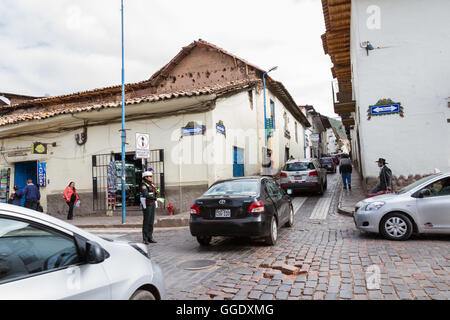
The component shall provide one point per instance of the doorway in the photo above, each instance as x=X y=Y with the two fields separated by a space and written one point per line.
x=238 y=162
x=24 y=171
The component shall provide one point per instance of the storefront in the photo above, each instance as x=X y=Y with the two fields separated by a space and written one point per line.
x=107 y=183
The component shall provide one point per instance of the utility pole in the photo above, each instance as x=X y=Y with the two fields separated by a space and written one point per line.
x=123 y=127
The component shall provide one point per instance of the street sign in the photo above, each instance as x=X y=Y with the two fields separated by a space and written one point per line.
x=391 y=108
x=190 y=131
x=142 y=146
x=42 y=174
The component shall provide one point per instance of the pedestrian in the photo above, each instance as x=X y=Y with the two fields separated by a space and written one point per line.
x=71 y=197
x=149 y=194
x=345 y=169
x=32 y=195
x=385 y=177
x=16 y=197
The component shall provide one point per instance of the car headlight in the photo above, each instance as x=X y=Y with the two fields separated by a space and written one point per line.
x=142 y=249
x=373 y=206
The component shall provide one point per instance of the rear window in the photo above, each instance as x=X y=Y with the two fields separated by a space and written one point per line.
x=326 y=160
x=234 y=188
x=298 y=166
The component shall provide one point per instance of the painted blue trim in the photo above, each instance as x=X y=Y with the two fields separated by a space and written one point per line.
x=123 y=125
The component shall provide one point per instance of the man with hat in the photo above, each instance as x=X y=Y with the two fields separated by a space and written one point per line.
x=385 y=177
x=149 y=194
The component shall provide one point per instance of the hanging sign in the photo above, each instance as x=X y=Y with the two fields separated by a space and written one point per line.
x=42 y=174
x=39 y=148
x=142 y=146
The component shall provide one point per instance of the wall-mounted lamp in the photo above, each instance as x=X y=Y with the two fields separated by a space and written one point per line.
x=367 y=45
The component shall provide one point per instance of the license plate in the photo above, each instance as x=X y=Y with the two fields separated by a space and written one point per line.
x=223 y=213
x=301 y=178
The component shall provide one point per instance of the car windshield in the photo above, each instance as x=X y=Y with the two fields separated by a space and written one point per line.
x=415 y=184
x=234 y=188
x=297 y=166
x=326 y=160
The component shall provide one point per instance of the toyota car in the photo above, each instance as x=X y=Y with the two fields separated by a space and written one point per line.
x=242 y=207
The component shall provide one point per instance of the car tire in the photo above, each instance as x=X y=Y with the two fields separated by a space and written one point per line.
x=142 y=295
x=204 y=241
x=290 y=222
x=320 y=192
x=396 y=226
x=271 y=239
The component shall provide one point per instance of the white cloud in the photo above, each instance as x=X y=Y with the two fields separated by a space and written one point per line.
x=65 y=46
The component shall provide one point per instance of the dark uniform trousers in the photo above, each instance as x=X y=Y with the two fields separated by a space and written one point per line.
x=149 y=220
x=150 y=195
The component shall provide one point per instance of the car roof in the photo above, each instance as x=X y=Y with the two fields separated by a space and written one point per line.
x=244 y=178
x=38 y=217
x=301 y=160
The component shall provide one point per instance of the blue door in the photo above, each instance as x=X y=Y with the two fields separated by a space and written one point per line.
x=24 y=171
x=238 y=162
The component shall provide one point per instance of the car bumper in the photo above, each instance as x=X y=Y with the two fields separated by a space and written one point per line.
x=254 y=226
x=307 y=186
x=367 y=221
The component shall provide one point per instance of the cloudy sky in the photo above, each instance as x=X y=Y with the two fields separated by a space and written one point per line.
x=50 y=47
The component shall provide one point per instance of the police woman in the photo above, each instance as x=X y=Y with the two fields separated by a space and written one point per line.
x=149 y=194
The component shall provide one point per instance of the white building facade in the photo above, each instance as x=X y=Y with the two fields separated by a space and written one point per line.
x=391 y=62
x=200 y=132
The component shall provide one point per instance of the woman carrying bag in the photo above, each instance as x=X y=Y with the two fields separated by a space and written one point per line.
x=71 y=197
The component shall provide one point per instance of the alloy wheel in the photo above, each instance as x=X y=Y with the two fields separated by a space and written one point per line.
x=396 y=227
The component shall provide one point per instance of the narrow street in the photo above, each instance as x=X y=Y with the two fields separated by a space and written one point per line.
x=332 y=257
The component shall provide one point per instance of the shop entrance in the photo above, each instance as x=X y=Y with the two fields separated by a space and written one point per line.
x=24 y=171
x=107 y=183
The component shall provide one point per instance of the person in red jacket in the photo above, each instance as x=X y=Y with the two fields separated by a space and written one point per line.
x=71 y=196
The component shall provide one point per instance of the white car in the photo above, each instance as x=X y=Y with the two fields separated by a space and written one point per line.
x=421 y=207
x=44 y=258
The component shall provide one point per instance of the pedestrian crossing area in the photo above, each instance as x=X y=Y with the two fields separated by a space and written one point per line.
x=297 y=203
x=321 y=208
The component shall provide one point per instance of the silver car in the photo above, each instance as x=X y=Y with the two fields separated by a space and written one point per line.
x=421 y=207
x=42 y=257
x=303 y=175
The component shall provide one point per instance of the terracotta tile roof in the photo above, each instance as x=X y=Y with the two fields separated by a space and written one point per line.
x=16 y=114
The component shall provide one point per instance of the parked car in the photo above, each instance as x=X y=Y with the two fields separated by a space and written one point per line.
x=42 y=257
x=329 y=164
x=303 y=175
x=421 y=207
x=241 y=207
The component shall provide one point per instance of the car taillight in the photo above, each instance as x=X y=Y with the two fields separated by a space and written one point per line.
x=313 y=173
x=195 y=209
x=283 y=174
x=256 y=207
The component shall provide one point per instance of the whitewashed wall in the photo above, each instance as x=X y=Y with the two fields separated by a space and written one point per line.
x=412 y=66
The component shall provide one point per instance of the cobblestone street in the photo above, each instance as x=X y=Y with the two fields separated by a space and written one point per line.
x=323 y=256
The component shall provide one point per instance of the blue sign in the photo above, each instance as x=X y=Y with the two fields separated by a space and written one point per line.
x=390 y=108
x=221 y=129
x=42 y=174
x=190 y=131
x=269 y=123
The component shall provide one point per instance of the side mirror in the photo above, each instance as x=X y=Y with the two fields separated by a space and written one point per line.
x=94 y=253
x=424 y=193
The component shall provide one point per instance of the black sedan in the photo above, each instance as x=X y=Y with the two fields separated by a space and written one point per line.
x=241 y=207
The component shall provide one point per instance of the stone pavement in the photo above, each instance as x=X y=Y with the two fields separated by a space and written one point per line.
x=95 y=222
x=325 y=259
x=349 y=198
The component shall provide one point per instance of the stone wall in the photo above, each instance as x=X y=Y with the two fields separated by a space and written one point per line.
x=398 y=182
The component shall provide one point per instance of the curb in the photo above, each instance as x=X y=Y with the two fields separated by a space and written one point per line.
x=340 y=209
x=159 y=223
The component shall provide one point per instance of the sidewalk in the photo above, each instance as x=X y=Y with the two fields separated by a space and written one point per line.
x=349 y=198
x=178 y=220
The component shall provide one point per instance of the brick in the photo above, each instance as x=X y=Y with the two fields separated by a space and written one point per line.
x=255 y=295
x=281 y=295
x=289 y=269
x=295 y=292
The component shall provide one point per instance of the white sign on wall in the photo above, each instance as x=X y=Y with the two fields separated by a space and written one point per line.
x=142 y=146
